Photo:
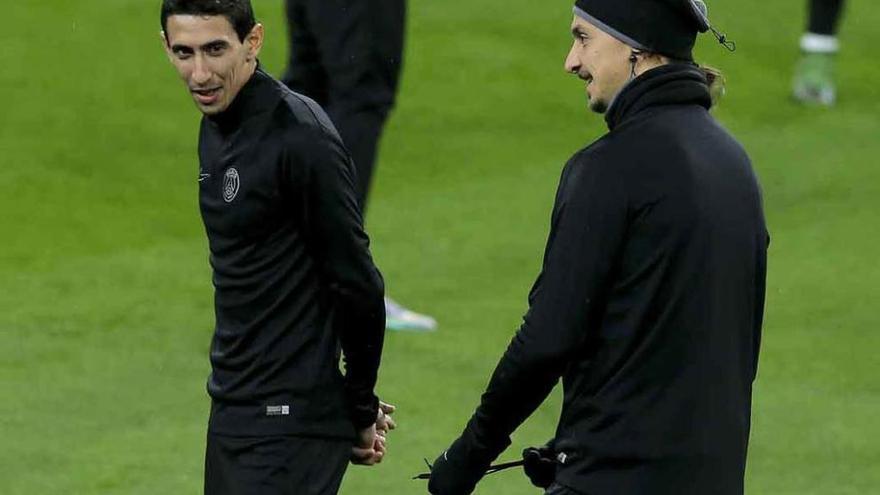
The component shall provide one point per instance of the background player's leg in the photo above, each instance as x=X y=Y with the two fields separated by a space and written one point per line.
x=824 y=16
x=361 y=49
x=814 y=77
x=305 y=72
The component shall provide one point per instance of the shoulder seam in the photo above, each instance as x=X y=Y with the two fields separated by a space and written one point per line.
x=303 y=100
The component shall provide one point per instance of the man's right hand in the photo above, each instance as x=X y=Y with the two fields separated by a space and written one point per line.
x=453 y=476
x=369 y=448
x=540 y=465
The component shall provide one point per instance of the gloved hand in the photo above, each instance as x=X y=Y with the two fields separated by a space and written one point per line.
x=539 y=463
x=454 y=474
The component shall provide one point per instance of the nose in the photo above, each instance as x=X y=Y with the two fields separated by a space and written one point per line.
x=572 y=63
x=200 y=74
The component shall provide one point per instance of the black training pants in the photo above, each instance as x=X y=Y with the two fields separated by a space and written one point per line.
x=825 y=16
x=347 y=56
x=277 y=465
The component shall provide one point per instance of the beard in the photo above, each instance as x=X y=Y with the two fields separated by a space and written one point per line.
x=598 y=105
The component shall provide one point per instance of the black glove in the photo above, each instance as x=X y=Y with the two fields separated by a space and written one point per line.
x=539 y=463
x=454 y=474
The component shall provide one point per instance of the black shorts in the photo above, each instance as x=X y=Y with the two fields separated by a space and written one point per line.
x=276 y=465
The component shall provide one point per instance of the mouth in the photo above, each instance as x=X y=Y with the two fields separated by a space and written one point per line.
x=207 y=96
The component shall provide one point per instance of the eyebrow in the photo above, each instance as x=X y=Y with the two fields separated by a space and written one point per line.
x=210 y=44
x=214 y=44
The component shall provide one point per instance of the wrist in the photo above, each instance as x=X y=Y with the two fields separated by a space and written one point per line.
x=363 y=412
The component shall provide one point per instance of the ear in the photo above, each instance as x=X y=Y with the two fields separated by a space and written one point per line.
x=254 y=42
x=649 y=60
x=656 y=56
x=165 y=44
x=657 y=59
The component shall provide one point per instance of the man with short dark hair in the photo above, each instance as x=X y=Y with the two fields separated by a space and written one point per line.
x=650 y=300
x=294 y=280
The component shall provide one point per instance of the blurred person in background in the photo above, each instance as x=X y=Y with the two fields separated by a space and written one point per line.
x=347 y=56
x=814 y=80
x=650 y=299
x=293 y=277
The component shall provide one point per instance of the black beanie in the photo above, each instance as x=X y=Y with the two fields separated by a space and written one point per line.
x=666 y=27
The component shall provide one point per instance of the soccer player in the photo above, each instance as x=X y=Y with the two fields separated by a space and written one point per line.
x=347 y=56
x=814 y=76
x=650 y=300
x=293 y=276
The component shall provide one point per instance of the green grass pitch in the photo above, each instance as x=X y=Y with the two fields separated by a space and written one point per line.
x=105 y=295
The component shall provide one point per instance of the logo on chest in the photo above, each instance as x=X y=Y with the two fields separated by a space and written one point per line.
x=231 y=183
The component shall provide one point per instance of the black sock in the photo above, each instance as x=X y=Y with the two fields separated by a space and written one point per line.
x=824 y=16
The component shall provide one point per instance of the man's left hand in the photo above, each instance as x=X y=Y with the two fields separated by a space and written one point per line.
x=384 y=422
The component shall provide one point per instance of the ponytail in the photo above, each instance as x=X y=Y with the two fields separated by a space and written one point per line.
x=716 y=81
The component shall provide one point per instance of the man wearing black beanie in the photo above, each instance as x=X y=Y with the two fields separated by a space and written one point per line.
x=650 y=301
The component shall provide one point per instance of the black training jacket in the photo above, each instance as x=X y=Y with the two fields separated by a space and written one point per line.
x=293 y=277
x=649 y=305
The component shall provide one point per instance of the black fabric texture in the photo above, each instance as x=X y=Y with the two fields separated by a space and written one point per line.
x=663 y=26
x=649 y=305
x=294 y=280
x=824 y=16
x=557 y=489
x=274 y=465
x=678 y=84
x=347 y=56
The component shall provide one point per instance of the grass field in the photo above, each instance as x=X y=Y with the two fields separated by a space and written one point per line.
x=105 y=295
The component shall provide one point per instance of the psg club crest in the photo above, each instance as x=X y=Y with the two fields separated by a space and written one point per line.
x=230 y=185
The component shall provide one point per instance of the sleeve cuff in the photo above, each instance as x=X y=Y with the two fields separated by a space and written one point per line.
x=364 y=413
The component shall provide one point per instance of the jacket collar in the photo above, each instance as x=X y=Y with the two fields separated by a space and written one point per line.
x=671 y=84
x=255 y=97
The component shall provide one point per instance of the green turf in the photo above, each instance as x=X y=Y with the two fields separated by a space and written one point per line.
x=105 y=296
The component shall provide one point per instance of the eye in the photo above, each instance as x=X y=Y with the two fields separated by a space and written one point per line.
x=181 y=53
x=215 y=50
x=583 y=38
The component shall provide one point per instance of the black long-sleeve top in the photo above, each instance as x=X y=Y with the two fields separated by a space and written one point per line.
x=648 y=306
x=294 y=280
